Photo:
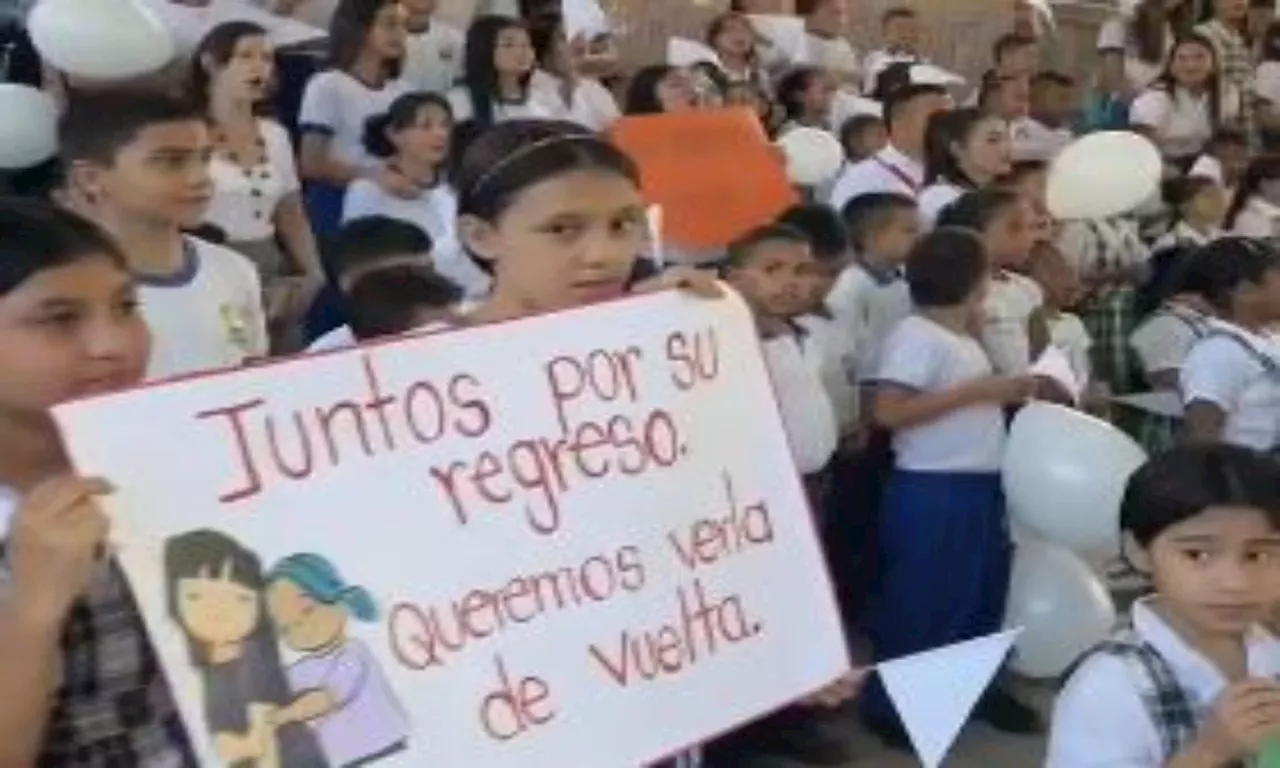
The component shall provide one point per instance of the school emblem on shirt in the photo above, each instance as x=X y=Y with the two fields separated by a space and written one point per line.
x=235 y=324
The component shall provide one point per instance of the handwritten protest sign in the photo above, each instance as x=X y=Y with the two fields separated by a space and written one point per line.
x=544 y=543
x=714 y=173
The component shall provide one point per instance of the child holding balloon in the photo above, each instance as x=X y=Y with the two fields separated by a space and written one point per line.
x=1191 y=682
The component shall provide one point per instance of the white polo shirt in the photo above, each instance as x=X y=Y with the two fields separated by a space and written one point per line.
x=433 y=58
x=1100 y=720
x=1164 y=339
x=1181 y=120
x=1239 y=372
x=807 y=414
x=934 y=198
x=339 y=106
x=926 y=357
x=888 y=170
x=1011 y=301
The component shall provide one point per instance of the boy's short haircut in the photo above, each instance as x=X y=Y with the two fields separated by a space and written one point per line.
x=867 y=214
x=1008 y=43
x=856 y=125
x=367 y=240
x=98 y=124
x=945 y=267
x=827 y=234
x=897 y=12
x=897 y=99
x=1183 y=482
x=742 y=249
x=390 y=301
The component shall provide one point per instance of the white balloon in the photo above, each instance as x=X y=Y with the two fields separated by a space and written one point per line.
x=28 y=128
x=1102 y=175
x=813 y=155
x=1064 y=476
x=1061 y=606
x=100 y=40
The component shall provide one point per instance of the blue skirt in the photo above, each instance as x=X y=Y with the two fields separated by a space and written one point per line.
x=945 y=561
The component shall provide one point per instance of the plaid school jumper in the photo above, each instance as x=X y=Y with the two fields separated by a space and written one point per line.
x=113 y=708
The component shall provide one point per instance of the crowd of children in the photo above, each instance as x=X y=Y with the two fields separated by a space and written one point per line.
x=439 y=177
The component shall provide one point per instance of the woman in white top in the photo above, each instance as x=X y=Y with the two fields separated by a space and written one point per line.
x=257 y=200
x=495 y=81
x=366 y=46
x=1185 y=105
x=1231 y=379
x=733 y=38
x=1146 y=35
x=413 y=139
x=559 y=85
x=965 y=150
x=1255 y=210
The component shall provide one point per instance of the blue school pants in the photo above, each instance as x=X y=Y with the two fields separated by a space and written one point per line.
x=945 y=560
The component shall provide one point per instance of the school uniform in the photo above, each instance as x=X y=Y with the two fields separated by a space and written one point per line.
x=944 y=541
x=1140 y=698
x=868 y=303
x=526 y=109
x=1162 y=343
x=588 y=104
x=829 y=348
x=112 y=705
x=1238 y=371
x=1259 y=218
x=206 y=316
x=1011 y=301
x=807 y=413
x=338 y=106
x=888 y=170
x=433 y=58
x=1068 y=335
x=434 y=211
x=935 y=197
x=1181 y=121
x=1235 y=65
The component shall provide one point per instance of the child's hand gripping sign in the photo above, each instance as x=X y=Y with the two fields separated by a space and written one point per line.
x=714 y=173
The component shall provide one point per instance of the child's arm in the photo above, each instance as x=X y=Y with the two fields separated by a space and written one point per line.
x=309 y=706
x=900 y=407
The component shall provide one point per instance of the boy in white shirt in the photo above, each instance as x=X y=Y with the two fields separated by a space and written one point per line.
x=943 y=530
x=138 y=166
x=434 y=51
x=900 y=32
x=1192 y=681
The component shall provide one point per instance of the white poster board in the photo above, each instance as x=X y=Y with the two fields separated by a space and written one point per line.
x=575 y=540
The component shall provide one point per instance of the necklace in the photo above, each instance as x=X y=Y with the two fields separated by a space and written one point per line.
x=251 y=159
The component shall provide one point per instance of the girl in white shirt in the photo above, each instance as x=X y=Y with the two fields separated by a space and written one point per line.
x=495 y=82
x=805 y=95
x=944 y=540
x=1183 y=107
x=1255 y=210
x=413 y=139
x=1198 y=205
x=257 y=200
x=366 y=47
x=965 y=150
x=1231 y=378
x=1014 y=330
x=733 y=38
x=559 y=85
x=1192 y=680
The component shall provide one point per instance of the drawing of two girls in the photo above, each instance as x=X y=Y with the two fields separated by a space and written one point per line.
x=331 y=708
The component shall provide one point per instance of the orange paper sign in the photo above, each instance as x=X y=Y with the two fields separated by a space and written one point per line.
x=714 y=173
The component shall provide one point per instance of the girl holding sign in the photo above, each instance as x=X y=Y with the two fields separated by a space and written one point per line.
x=78 y=677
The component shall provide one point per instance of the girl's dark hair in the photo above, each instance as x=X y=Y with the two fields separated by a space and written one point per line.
x=544 y=33
x=349 y=30
x=976 y=211
x=403 y=113
x=1182 y=483
x=515 y=155
x=481 y=74
x=213 y=555
x=1261 y=169
x=945 y=131
x=217 y=47
x=642 y=91
x=945 y=267
x=792 y=88
x=1147 y=28
x=717 y=27
x=1219 y=269
x=1166 y=278
x=389 y=301
x=1214 y=85
x=36 y=236
x=828 y=236
x=1271 y=42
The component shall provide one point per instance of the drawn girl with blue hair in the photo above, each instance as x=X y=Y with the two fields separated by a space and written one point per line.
x=342 y=691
